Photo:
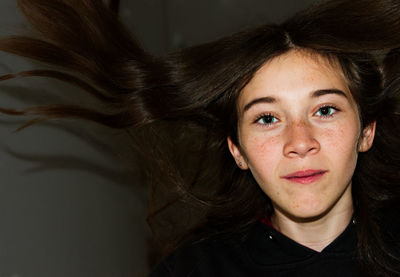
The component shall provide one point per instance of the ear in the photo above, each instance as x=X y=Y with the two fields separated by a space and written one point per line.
x=237 y=155
x=367 y=137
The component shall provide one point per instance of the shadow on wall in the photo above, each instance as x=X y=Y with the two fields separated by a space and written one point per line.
x=72 y=201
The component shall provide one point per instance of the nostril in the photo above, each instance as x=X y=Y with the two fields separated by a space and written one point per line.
x=301 y=147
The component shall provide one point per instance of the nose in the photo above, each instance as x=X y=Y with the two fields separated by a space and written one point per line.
x=301 y=141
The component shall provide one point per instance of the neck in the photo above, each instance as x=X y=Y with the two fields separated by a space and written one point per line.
x=316 y=233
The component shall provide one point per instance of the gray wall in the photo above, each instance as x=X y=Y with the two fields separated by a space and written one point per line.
x=70 y=204
x=166 y=25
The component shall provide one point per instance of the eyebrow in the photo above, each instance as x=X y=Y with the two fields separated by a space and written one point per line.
x=267 y=99
x=315 y=94
x=322 y=92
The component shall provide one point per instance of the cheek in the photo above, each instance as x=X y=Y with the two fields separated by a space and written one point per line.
x=332 y=138
x=263 y=154
x=340 y=143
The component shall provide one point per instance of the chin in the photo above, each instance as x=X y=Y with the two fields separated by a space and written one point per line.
x=306 y=213
x=310 y=216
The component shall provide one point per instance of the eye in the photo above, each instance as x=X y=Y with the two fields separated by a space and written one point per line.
x=266 y=119
x=326 y=111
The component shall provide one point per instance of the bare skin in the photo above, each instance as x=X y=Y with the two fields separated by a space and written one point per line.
x=316 y=233
x=299 y=135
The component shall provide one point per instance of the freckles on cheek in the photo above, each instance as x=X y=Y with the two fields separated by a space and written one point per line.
x=331 y=137
x=340 y=140
x=264 y=146
x=262 y=153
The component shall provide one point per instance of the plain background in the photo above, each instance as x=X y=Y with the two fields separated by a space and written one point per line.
x=70 y=204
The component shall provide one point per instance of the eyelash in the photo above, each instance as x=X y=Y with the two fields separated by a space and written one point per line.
x=264 y=116
x=330 y=107
x=319 y=109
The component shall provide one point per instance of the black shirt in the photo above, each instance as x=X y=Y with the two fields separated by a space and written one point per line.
x=262 y=251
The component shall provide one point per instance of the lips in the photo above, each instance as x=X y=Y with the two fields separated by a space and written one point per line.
x=305 y=176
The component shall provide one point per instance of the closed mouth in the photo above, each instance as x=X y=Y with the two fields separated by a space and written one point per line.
x=305 y=176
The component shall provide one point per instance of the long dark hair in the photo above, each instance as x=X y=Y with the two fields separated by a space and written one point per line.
x=181 y=108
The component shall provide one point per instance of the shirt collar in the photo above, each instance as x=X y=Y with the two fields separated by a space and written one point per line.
x=267 y=246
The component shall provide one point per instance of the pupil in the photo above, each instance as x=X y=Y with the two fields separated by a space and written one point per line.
x=268 y=119
x=325 y=110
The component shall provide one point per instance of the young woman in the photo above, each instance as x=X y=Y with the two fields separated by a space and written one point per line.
x=291 y=131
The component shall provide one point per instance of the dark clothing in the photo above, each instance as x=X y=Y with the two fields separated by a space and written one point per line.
x=262 y=251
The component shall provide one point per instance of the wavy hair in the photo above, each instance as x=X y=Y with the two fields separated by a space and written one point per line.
x=181 y=107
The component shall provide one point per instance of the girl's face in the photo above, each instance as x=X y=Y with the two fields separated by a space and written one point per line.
x=299 y=134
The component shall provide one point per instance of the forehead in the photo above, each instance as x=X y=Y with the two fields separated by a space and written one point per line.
x=294 y=75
